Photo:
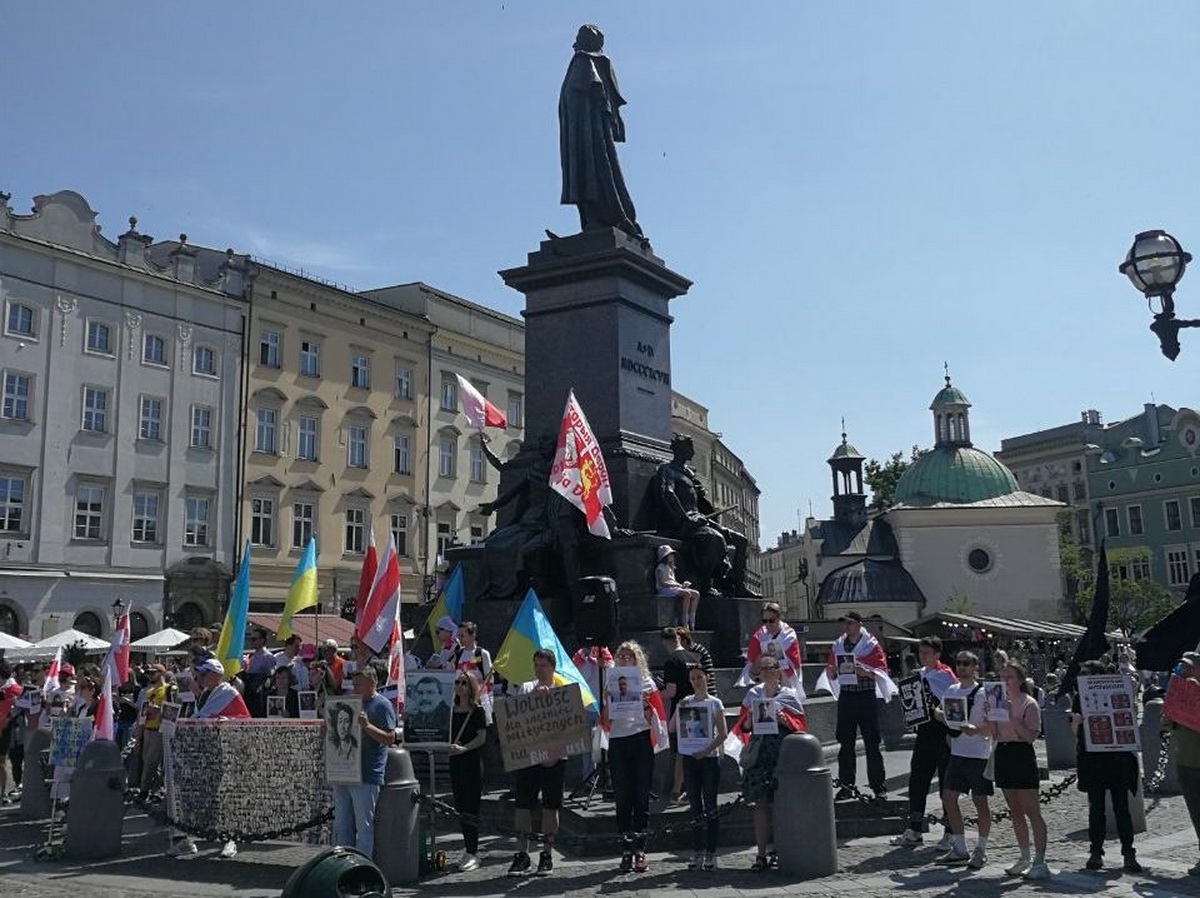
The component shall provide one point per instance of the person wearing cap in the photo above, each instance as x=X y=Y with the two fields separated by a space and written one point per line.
x=670 y=588
x=149 y=747
x=354 y=806
x=445 y=644
x=333 y=663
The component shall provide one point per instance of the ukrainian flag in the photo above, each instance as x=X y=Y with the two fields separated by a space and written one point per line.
x=233 y=631
x=303 y=591
x=531 y=631
x=450 y=603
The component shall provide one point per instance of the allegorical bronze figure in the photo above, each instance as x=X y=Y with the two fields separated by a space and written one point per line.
x=590 y=127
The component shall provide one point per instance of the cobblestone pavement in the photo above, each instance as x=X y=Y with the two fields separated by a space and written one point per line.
x=869 y=866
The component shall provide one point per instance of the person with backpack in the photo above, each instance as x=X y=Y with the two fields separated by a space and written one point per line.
x=970 y=751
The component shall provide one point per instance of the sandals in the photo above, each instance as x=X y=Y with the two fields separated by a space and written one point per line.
x=761 y=864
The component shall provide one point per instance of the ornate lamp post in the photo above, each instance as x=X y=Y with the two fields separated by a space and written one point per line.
x=1154 y=265
x=118 y=608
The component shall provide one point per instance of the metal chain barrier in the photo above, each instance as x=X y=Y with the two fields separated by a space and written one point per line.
x=1044 y=797
x=1154 y=783
x=215 y=835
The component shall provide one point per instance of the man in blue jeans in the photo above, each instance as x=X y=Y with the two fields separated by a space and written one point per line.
x=354 y=806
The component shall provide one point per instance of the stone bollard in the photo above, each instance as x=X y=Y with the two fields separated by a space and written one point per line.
x=1060 y=738
x=805 y=829
x=96 y=812
x=35 y=786
x=397 y=821
x=1137 y=812
x=891 y=724
x=1152 y=749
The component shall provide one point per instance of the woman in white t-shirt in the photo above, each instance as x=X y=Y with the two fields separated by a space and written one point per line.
x=631 y=758
x=702 y=769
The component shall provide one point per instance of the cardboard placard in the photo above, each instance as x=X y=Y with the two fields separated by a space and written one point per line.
x=995 y=695
x=343 y=740
x=766 y=717
x=695 y=727
x=1109 y=718
x=847 y=671
x=542 y=726
x=171 y=712
x=623 y=686
x=307 y=701
x=428 y=699
x=1182 y=704
x=914 y=700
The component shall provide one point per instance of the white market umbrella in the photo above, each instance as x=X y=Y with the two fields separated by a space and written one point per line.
x=70 y=637
x=162 y=641
x=12 y=642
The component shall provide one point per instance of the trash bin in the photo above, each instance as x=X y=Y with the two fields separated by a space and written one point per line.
x=398 y=838
x=334 y=873
x=97 y=810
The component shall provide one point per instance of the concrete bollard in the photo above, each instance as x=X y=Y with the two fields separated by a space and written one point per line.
x=1152 y=749
x=805 y=829
x=1060 y=739
x=35 y=786
x=96 y=813
x=1137 y=812
x=891 y=724
x=397 y=821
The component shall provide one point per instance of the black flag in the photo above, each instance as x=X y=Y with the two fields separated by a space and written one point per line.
x=1094 y=641
x=1178 y=632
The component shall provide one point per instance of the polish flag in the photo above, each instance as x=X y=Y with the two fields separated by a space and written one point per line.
x=102 y=728
x=378 y=622
x=118 y=651
x=51 y=682
x=365 y=579
x=480 y=413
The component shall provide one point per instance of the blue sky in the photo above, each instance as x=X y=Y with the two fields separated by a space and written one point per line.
x=859 y=191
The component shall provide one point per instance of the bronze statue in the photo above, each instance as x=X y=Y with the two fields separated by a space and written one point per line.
x=688 y=515
x=590 y=127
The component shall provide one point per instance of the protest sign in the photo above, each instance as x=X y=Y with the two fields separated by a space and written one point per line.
x=624 y=688
x=170 y=715
x=343 y=740
x=995 y=696
x=427 y=701
x=766 y=717
x=277 y=706
x=847 y=671
x=914 y=700
x=306 y=700
x=542 y=726
x=695 y=727
x=1109 y=721
x=955 y=710
x=1182 y=704
x=68 y=736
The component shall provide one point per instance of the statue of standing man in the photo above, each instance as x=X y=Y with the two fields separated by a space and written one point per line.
x=590 y=127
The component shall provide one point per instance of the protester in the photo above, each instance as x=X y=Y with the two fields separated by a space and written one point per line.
x=970 y=749
x=445 y=644
x=149 y=746
x=354 y=806
x=477 y=661
x=1017 y=772
x=702 y=770
x=670 y=588
x=285 y=688
x=775 y=639
x=291 y=657
x=931 y=752
x=468 y=733
x=1185 y=743
x=677 y=685
x=1101 y=773
x=590 y=660
x=631 y=760
x=761 y=753
x=545 y=779
x=702 y=655
x=10 y=692
x=333 y=666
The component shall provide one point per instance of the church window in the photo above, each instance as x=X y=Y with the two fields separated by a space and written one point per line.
x=979 y=560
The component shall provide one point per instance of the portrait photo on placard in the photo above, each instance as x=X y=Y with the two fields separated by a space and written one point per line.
x=277 y=706
x=306 y=701
x=766 y=717
x=955 y=710
x=343 y=740
x=624 y=688
x=695 y=727
x=428 y=697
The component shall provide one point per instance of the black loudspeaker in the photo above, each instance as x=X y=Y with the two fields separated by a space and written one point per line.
x=596 y=611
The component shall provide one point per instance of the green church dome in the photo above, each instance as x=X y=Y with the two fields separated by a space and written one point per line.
x=845 y=450
x=954 y=474
x=949 y=395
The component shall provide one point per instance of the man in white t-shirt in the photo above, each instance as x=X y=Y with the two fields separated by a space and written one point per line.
x=970 y=750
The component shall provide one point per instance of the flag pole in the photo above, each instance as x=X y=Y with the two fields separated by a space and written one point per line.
x=317 y=622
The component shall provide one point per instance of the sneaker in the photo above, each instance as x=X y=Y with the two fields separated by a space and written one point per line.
x=845 y=793
x=545 y=862
x=1131 y=864
x=946 y=842
x=1020 y=868
x=229 y=850
x=1095 y=861
x=695 y=861
x=978 y=859
x=520 y=864
x=880 y=795
x=710 y=863
x=181 y=848
x=627 y=862
x=640 y=864
x=953 y=856
x=468 y=862
x=908 y=839
x=1038 y=871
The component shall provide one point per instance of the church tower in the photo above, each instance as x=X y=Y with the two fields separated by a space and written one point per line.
x=849 y=500
x=951 y=419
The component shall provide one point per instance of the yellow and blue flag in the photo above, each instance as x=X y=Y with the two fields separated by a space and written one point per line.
x=233 y=632
x=450 y=603
x=303 y=591
x=530 y=631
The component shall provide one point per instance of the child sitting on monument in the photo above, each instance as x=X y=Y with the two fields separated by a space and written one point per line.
x=671 y=588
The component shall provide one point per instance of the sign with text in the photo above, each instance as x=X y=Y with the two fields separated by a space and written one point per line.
x=1109 y=719
x=914 y=700
x=1182 y=704
x=542 y=726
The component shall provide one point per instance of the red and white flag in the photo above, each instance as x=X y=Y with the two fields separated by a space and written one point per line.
x=579 y=473
x=480 y=413
x=102 y=727
x=51 y=682
x=396 y=662
x=869 y=659
x=365 y=579
x=378 y=622
x=784 y=647
x=118 y=650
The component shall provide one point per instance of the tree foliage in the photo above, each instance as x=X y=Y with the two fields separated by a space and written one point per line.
x=958 y=603
x=882 y=477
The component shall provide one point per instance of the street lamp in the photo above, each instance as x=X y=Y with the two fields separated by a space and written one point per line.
x=1154 y=265
x=118 y=608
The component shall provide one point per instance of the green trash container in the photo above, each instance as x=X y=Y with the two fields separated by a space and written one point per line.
x=337 y=872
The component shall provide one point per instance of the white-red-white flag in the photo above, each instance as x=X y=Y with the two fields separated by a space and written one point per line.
x=396 y=662
x=102 y=727
x=365 y=578
x=480 y=413
x=378 y=620
x=579 y=473
x=51 y=682
x=118 y=650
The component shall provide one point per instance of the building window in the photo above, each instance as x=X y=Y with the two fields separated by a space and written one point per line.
x=1085 y=528
x=1194 y=503
x=447 y=451
x=356 y=446
x=515 y=410
x=979 y=561
x=400 y=533
x=268 y=349
x=201 y=427
x=145 y=516
x=89 y=512
x=310 y=358
x=262 y=522
x=22 y=321
x=478 y=468
x=1134 y=513
x=445 y=538
x=95 y=410
x=1112 y=523
x=195 y=525
x=204 y=360
x=1178 y=571
x=360 y=372
x=99 y=338
x=150 y=419
x=356 y=531
x=1139 y=568
x=87 y=622
x=449 y=395
x=16 y=396
x=1171 y=513
x=265 y=431
x=1062 y=494
x=403 y=382
x=476 y=533
x=401 y=463
x=12 y=504
x=303 y=516
x=306 y=449
x=1080 y=492
x=154 y=350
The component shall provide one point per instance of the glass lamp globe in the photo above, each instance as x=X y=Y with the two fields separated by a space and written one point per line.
x=1155 y=263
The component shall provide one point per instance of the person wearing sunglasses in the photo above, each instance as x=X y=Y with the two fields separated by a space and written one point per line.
x=970 y=750
x=468 y=732
x=775 y=639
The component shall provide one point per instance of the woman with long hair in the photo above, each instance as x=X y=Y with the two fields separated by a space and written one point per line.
x=468 y=732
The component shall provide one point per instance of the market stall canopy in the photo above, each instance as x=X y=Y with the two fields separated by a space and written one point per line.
x=70 y=637
x=11 y=642
x=309 y=627
x=160 y=642
x=1012 y=627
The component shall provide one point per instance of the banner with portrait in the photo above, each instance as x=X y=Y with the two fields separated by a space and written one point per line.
x=915 y=700
x=428 y=704
x=695 y=726
x=542 y=726
x=343 y=740
x=1106 y=702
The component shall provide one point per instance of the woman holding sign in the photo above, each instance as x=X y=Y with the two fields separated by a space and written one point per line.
x=468 y=732
x=784 y=715
x=699 y=726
